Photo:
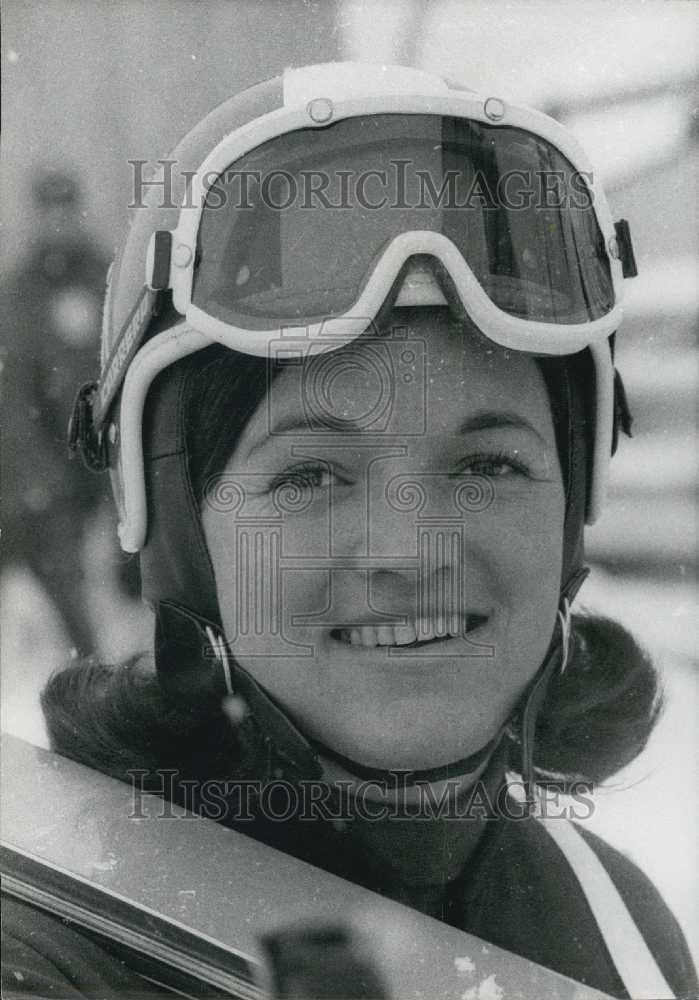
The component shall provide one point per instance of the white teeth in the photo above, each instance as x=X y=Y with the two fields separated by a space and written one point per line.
x=405 y=634
x=421 y=630
x=367 y=636
x=425 y=629
x=385 y=635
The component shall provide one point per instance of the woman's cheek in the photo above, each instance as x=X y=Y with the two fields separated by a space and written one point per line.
x=529 y=547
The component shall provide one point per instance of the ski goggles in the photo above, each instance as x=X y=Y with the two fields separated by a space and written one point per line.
x=302 y=221
x=310 y=228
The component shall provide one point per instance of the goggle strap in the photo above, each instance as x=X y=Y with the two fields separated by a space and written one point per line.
x=123 y=352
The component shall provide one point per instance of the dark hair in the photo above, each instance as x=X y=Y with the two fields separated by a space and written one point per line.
x=597 y=716
x=115 y=718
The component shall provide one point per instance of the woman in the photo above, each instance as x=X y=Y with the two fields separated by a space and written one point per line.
x=356 y=420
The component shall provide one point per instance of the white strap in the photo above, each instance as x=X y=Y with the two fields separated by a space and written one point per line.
x=218 y=645
x=634 y=962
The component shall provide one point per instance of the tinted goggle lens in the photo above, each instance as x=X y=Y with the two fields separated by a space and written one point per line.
x=291 y=232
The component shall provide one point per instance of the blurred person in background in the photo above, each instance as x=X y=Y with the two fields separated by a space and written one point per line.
x=51 y=311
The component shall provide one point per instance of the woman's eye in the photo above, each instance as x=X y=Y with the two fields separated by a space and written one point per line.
x=492 y=465
x=307 y=477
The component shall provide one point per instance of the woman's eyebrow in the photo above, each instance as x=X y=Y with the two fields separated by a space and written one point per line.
x=298 y=423
x=489 y=419
x=326 y=422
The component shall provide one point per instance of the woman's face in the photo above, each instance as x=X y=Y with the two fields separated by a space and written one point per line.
x=394 y=584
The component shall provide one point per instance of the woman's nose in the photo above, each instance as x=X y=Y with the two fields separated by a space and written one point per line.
x=412 y=515
x=399 y=522
x=418 y=536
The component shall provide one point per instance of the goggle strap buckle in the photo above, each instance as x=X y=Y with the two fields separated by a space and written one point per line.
x=626 y=254
x=158 y=260
x=623 y=419
x=82 y=435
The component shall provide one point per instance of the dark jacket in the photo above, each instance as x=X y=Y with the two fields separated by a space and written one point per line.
x=518 y=892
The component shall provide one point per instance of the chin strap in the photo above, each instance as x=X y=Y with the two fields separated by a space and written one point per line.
x=193 y=662
x=466 y=765
x=556 y=660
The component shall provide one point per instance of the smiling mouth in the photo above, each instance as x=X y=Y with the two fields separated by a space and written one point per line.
x=410 y=636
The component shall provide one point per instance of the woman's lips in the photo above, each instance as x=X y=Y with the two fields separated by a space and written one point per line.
x=412 y=635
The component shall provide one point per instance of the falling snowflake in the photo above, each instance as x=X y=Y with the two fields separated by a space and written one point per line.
x=464 y=964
